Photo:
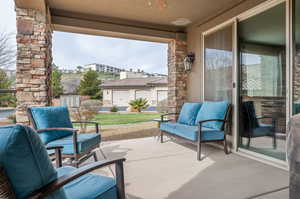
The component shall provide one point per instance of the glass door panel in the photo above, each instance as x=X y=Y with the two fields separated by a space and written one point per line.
x=263 y=82
x=218 y=64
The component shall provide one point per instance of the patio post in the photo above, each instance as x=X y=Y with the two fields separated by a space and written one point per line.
x=34 y=60
x=177 y=77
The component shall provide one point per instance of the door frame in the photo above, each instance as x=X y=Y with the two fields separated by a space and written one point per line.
x=236 y=70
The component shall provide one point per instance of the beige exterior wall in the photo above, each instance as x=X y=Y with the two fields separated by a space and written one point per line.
x=152 y=95
x=194 y=82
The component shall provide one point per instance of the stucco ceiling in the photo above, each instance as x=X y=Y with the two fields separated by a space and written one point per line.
x=141 y=11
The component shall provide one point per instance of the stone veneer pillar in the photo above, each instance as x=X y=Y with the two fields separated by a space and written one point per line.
x=177 y=77
x=34 y=61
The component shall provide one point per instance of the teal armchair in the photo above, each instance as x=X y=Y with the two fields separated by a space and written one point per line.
x=29 y=171
x=55 y=128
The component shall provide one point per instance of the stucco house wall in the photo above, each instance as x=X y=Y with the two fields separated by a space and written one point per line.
x=154 y=95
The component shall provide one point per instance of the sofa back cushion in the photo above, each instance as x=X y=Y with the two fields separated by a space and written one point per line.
x=51 y=117
x=212 y=110
x=25 y=161
x=188 y=113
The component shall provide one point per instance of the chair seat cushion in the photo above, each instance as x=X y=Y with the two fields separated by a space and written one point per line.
x=86 y=141
x=263 y=131
x=89 y=186
x=191 y=132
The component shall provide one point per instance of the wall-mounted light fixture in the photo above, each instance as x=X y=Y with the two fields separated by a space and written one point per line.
x=188 y=61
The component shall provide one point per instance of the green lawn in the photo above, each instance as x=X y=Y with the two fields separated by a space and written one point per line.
x=124 y=118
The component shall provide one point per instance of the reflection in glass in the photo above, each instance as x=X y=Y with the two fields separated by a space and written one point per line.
x=296 y=64
x=263 y=83
x=218 y=65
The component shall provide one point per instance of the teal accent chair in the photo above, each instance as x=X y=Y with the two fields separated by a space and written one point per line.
x=252 y=127
x=199 y=123
x=55 y=128
x=30 y=172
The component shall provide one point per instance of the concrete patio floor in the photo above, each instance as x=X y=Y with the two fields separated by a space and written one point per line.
x=171 y=171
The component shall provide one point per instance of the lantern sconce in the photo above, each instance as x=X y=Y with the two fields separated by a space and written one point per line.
x=188 y=61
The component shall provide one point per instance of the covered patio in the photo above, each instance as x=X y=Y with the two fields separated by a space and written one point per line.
x=170 y=170
x=154 y=170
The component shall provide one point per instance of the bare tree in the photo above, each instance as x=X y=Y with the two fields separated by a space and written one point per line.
x=7 y=50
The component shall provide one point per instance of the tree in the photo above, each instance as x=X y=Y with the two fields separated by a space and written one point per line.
x=57 y=88
x=6 y=99
x=139 y=104
x=90 y=85
x=79 y=69
x=7 y=51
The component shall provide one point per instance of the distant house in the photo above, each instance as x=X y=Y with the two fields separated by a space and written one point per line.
x=121 y=92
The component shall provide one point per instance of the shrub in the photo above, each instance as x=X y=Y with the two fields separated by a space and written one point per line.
x=114 y=109
x=139 y=104
x=162 y=106
x=12 y=117
x=86 y=112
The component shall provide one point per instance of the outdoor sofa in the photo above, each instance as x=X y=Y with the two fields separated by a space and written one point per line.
x=199 y=123
x=27 y=172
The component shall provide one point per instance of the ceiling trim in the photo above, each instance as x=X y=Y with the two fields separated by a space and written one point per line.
x=105 y=26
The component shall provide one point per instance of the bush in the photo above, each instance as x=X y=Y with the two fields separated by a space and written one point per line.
x=139 y=104
x=114 y=109
x=12 y=117
x=86 y=112
x=162 y=106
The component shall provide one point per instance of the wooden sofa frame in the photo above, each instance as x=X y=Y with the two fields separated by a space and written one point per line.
x=226 y=126
x=77 y=157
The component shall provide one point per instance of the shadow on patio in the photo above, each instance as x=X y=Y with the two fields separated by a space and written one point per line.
x=171 y=171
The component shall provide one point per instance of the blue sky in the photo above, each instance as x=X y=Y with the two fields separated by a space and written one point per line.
x=71 y=50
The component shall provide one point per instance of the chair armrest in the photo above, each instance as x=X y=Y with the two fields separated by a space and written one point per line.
x=97 y=125
x=56 y=129
x=212 y=120
x=166 y=114
x=57 y=152
x=65 y=179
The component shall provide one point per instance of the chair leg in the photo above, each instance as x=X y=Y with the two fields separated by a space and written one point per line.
x=95 y=156
x=225 y=146
x=248 y=144
x=161 y=136
x=102 y=153
x=274 y=142
x=199 y=151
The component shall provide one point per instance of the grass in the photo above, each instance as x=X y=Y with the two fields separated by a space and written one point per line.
x=124 y=118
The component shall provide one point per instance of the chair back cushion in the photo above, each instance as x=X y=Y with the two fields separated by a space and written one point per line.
x=249 y=117
x=51 y=117
x=25 y=161
x=212 y=110
x=188 y=113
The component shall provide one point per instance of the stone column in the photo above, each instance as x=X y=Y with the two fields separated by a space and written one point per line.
x=34 y=60
x=177 y=77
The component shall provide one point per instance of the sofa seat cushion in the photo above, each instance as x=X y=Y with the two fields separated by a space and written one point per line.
x=86 y=141
x=212 y=110
x=25 y=161
x=89 y=186
x=188 y=113
x=191 y=132
x=51 y=117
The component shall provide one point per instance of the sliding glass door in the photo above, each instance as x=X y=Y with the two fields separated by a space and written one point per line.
x=263 y=91
x=218 y=65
